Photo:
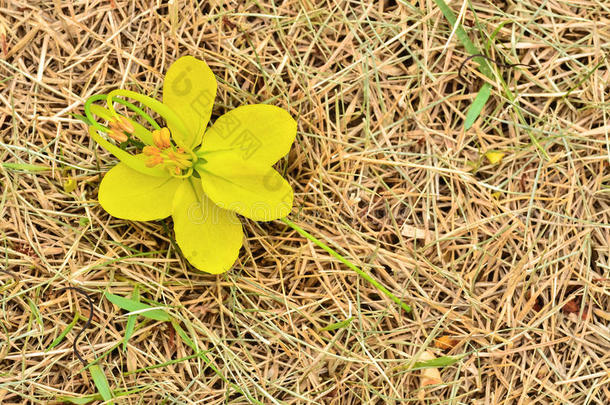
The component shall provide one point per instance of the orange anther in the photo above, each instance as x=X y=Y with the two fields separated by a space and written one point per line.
x=125 y=124
x=153 y=161
x=165 y=137
x=117 y=135
x=151 y=151
x=161 y=138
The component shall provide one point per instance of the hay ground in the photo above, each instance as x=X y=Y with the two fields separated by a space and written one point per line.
x=511 y=260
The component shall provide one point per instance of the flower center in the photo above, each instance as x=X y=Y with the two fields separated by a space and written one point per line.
x=178 y=159
x=175 y=160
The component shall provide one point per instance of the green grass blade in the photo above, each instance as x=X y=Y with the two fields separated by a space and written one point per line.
x=338 y=325
x=483 y=95
x=442 y=361
x=63 y=334
x=349 y=264
x=101 y=383
x=80 y=400
x=477 y=105
x=131 y=320
x=185 y=338
x=136 y=306
x=35 y=312
x=86 y=399
x=26 y=167
x=463 y=36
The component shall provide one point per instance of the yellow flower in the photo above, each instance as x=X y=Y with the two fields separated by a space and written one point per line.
x=201 y=177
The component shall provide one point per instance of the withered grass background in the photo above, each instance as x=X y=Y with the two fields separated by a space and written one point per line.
x=510 y=259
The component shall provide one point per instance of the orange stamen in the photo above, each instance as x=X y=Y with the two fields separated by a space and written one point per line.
x=162 y=138
x=151 y=151
x=125 y=124
x=156 y=140
x=153 y=161
x=117 y=135
x=162 y=152
x=165 y=137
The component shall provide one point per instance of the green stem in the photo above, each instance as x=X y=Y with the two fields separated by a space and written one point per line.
x=349 y=264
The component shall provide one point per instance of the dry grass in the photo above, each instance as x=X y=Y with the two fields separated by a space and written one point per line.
x=511 y=259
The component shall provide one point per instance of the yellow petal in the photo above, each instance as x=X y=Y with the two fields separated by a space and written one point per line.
x=253 y=190
x=259 y=132
x=128 y=194
x=208 y=236
x=189 y=90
